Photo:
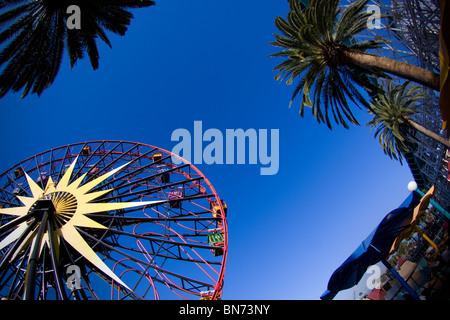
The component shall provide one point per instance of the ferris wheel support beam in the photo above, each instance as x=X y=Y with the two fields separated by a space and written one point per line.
x=32 y=264
x=53 y=256
x=16 y=277
x=15 y=222
x=6 y=259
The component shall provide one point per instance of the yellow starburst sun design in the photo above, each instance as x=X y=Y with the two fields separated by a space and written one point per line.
x=71 y=202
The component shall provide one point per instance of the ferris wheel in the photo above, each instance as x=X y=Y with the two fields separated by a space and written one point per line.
x=110 y=220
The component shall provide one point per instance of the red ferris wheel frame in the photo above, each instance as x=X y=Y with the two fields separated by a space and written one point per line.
x=186 y=225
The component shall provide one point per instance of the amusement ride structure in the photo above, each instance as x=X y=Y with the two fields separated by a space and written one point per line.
x=411 y=30
x=110 y=220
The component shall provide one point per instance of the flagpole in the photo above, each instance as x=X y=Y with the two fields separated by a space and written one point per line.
x=401 y=280
x=398 y=276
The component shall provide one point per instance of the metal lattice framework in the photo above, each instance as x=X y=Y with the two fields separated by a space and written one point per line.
x=110 y=220
x=412 y=30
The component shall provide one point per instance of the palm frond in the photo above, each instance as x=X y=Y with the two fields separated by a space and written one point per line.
x=35 y=33
x=314 y=40
x=388 y=111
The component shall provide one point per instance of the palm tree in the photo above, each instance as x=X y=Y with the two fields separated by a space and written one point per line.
x=35 y=33
x=392 y=118
x=322 y=52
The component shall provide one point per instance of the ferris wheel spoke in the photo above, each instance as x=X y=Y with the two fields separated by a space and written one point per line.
x=126 y=220
x=142 y=262
x=16 y=284
x=68 y=253
x=91 y=155
x=169 y=201
x=13 y=223
x=174 y=252
x=11 y=196
x=123 y=178
x=154 y=239
x=149 y=191
x=8 y=256
x=125 y=184
x=122 y=155
x=61 y=170
x=101 y=159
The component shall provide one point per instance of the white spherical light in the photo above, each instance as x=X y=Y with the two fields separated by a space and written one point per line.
x=412 y=186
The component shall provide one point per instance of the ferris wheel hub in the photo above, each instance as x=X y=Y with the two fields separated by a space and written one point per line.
x=42 y=206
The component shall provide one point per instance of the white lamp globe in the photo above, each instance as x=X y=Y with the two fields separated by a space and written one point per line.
x=412 y=186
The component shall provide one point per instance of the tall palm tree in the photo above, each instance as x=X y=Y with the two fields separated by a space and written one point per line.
x=35 y=33
x=392 y=117
x=322 y=52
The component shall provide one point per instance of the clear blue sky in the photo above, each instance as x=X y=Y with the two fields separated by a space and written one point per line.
x=205 y=60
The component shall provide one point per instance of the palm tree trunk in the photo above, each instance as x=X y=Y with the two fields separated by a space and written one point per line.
x=398 y=68
x=427 y=132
